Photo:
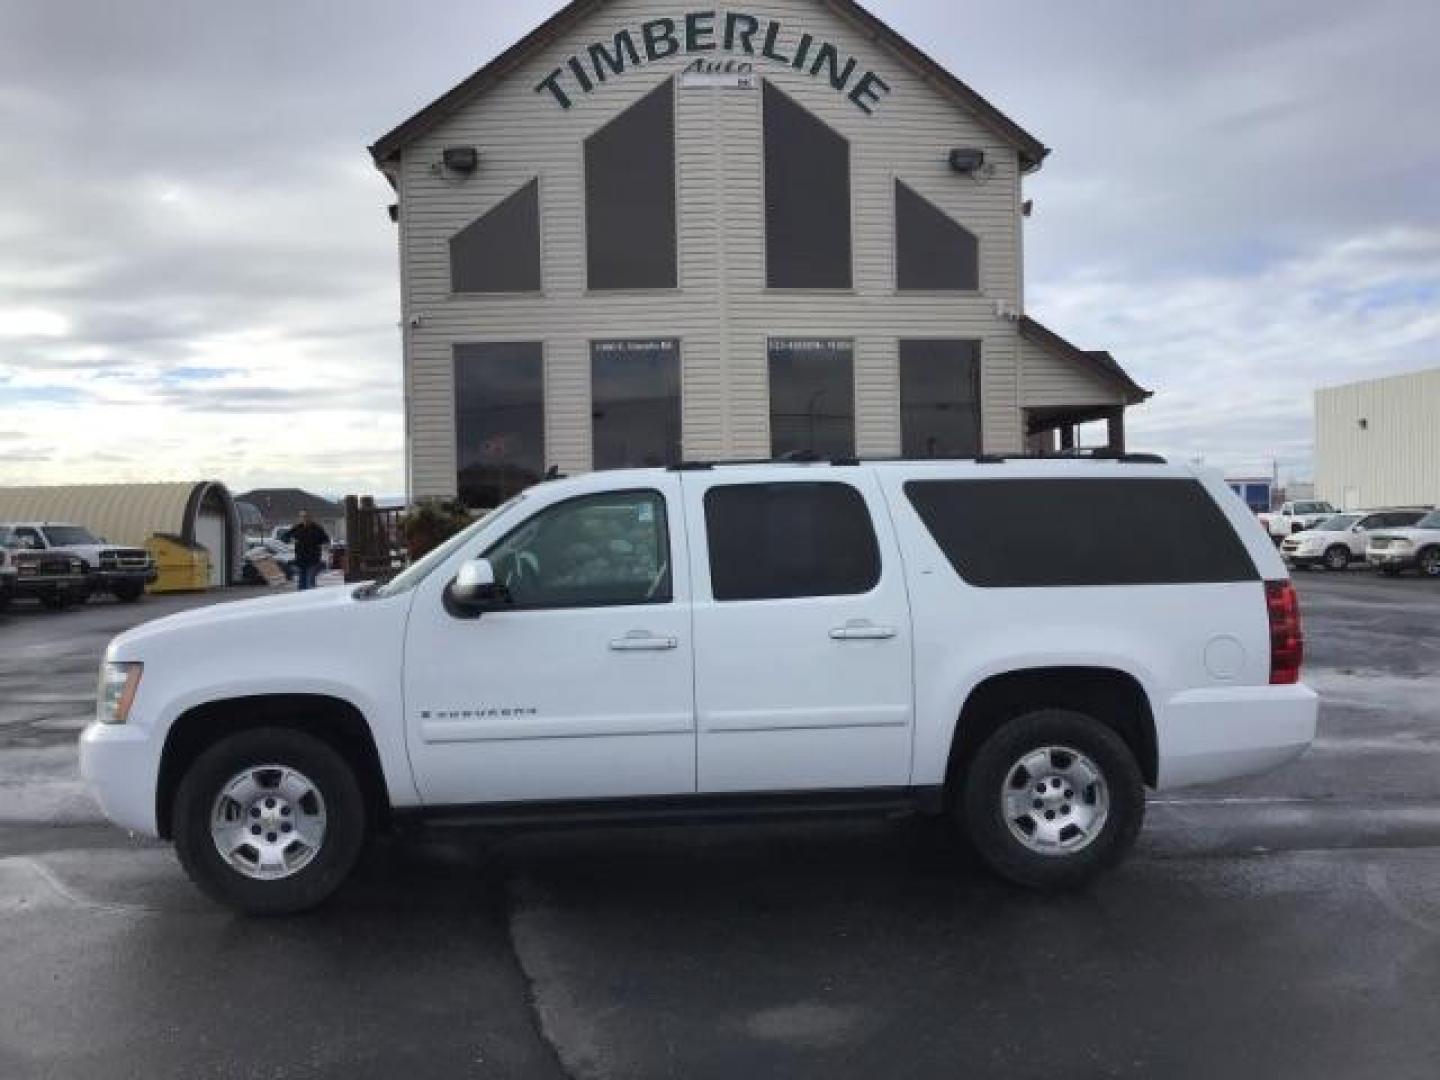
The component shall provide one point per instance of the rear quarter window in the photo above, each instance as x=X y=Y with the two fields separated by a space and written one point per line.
x=1055 y=533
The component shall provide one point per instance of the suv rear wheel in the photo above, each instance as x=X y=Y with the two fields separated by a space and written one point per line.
x=1052 y=798
x=269 y=821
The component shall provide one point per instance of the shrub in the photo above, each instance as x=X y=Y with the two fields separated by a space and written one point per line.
x=429 y=523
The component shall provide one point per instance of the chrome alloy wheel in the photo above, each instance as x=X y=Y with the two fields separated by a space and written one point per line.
x=268 y=822
x=1055 y=801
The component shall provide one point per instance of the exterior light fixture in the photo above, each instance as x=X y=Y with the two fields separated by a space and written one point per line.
x=461 y=159
x=967 y=162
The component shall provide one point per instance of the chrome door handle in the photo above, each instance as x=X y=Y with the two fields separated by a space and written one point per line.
x=862 y=631
x=641 y=641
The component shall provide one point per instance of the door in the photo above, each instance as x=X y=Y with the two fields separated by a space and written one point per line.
x=802 y=633
x=583 y=687
x=210 y=534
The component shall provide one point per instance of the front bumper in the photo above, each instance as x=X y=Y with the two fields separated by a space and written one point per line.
x=47 y=585
x=1292 y=559
x=104 y=579
x=120 y=764
x=1225 y=732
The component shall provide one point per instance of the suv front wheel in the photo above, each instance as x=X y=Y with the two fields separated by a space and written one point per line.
x=269 y=821
x=1052 y=798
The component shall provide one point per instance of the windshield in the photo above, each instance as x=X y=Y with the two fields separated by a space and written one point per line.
x=1429 y=521
x=67 y=535
x=1338 y=523
x=419 y=570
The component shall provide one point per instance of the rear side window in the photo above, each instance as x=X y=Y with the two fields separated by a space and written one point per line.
x=1038 y=533
x=781 y=541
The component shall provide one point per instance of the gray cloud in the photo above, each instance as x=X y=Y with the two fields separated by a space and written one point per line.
x=1239 y=206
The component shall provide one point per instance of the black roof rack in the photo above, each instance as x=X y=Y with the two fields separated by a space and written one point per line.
x=806 y=458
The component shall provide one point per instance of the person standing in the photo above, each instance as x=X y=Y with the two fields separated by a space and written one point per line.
x=308 y=538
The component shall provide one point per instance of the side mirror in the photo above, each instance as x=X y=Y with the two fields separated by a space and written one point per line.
x=474 y=589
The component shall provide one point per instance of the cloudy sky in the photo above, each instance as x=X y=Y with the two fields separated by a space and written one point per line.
x=197 y=276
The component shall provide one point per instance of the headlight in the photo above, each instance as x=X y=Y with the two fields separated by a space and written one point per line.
x=118 y=683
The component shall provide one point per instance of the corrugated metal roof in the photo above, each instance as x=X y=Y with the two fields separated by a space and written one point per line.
x=121 y=513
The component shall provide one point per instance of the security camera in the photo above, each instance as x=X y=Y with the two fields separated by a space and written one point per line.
x=415 y=322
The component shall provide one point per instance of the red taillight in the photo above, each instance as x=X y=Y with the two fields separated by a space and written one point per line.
x=1287 y=642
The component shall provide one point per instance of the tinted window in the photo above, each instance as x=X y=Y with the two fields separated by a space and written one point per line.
x=1026 y=533
x=812 y=397
x=630 y=196
x=1402 y=519
x=932 y=250
x=500 y=252
x=940 y=398
x=589 y=552
x=635 y=392
x=499 y=420
x=778 y=541
x=807 y=199
x=1429 y=521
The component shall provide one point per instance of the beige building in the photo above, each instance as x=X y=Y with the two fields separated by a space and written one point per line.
x=651 y=232
x=1377 y=443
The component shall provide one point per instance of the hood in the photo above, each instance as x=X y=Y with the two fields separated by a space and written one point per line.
x=1318 y=534
x=243 y=617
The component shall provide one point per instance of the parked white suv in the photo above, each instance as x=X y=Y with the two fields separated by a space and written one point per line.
x=1399 y=549
x=721 y=640
x=1292 y=517
x=1340 y=540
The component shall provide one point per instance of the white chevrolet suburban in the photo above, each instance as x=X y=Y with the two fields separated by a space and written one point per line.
x=729 y=640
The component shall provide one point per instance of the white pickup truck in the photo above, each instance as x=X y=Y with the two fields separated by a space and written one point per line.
x=1293 y=517
x=730 y=639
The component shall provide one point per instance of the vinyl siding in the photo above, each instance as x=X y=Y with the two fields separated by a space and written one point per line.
x=1047 y=380
x=722 y=313
x=1395 y=459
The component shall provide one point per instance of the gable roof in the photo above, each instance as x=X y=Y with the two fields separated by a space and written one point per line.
x=277 y=505
x=1095 y=360
x=1031 y=150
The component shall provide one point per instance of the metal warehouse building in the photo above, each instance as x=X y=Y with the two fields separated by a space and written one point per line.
x=199 y=512
x=650 y=232
x=1377 y=443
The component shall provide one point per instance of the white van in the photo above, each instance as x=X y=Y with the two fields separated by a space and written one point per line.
x=730 y=639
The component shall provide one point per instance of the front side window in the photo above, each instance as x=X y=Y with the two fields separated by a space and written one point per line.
x=940 y=398
x=788 y=540
x=594 y=551
x=499 y=420
x=807 y=198
x=499 y=252
x=630 y=197
x=66 y=535
x=1429 y=521
x=812 y=397
x=635 y=400
x=28 y=538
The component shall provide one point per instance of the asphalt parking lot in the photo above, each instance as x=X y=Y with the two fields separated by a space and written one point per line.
x=1285 y=925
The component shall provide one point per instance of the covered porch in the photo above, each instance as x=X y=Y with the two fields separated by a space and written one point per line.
x=1063 y=387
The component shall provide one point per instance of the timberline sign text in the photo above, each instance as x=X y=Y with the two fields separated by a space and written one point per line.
x=732 y=32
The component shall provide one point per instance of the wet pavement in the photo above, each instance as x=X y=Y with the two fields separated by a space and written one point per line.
x=1279 y=926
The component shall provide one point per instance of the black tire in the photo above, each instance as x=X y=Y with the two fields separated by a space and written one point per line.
x=1429 y=562
x=982 y=807
x=345 y=825
x=1337 y=557
x=57 y=601
x=127 y=592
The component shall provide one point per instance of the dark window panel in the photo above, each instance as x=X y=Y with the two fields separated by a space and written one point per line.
x=499 y=420
x=1037 y=533
x=940 y=398
x=807 y=198
x=933 y=250
x=635 y=393
x=781 y=541
x=630 y=196
x=500 y=252
x=812 y=397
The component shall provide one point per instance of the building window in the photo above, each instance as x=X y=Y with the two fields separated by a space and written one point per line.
x=630 y=196
x=635 y=395
x=933 y=250
x=940 y=398
x=807 y=199
x=499 y=252
x=782 y=541
x=499 y=420
x=812 y=397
